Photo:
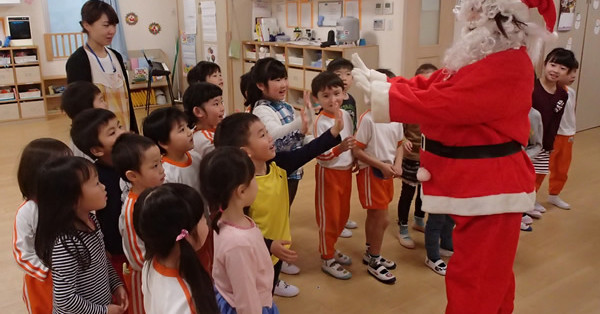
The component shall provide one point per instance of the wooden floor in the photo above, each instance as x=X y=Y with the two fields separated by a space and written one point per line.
x=557 y=268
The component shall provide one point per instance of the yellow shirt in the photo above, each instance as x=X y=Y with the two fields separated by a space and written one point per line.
x=271 y=209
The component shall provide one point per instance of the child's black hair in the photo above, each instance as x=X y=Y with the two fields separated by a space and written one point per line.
x=58 y=193
x=35 y=154
x=157 y=126
x=196 y=95
x=425 y=67
x=387 y=72
x=338 y=64
x=233 y=130
x=325 y=80
x=221 y=172
x=201 y=70
x=92 y=11
x=77 y=97
x=563 y=57
x=128 y=153
x=85 y=129
x=264 y=70
x=160 y=215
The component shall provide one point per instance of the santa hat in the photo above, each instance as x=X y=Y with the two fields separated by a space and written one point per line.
x=546 y=9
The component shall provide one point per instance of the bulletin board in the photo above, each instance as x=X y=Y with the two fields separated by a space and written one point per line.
x=299 y=14
x=330 y=12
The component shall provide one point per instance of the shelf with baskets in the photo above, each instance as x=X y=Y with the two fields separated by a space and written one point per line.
x=21 y=86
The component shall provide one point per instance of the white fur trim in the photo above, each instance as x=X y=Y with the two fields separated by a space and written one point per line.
x=380 y=101
x=478 y=206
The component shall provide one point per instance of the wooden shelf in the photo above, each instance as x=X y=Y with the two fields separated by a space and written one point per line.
x=144 y=85
x=53 y=96
x=23 y=108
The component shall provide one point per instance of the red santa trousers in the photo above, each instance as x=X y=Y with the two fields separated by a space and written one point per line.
x=560 y=161
x=37 y=294
x=332 y=206
x=480 y=275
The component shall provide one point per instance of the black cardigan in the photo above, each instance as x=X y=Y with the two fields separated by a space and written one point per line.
x=79 y=69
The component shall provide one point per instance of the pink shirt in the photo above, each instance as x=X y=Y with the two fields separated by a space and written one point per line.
x=242 y=268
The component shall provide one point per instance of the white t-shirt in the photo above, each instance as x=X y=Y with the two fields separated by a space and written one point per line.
x=332 y=158
x=379 y=140
x=204 y=142
x=567 y=122
x=183 y=172
x=165 y=292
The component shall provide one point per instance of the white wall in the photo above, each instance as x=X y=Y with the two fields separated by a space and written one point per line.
x=389 y=41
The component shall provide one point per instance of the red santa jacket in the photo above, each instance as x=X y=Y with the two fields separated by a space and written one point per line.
x=483 y=103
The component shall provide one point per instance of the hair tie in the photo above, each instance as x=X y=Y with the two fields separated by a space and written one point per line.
x=184 y=233
x=221 y=210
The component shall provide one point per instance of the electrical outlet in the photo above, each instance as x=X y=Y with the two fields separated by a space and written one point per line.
x=388 y=8
x=378 y=8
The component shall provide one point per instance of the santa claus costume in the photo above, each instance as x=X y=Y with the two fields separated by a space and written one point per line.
x=473 y=115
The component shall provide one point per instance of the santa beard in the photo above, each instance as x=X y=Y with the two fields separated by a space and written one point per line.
x=482 y=41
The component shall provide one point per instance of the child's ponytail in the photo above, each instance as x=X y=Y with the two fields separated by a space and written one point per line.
x=190 y=269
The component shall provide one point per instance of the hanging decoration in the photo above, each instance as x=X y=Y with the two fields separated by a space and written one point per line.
x=154 y=28
x=131 y=18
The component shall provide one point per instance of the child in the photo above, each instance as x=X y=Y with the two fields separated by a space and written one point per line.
x=438 y=241
x=69 y=239
x=242 y=269
x=37 y=282
x=94 y=132
x=343 y=69
x=333 y=175
x=205 y=71
x=549 y=99
x=270 y=77
x=81 y=95
x=168 y=219
x=137 y=160
x=168 y=128
x=271 y=208
x=534 y=147
x=379 y=153
x=203 y=104
x=410 y=184
x=560 y=158
x=78 y=96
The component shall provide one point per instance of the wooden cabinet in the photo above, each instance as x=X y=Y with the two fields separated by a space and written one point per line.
x=303 y=63
x=21 y=86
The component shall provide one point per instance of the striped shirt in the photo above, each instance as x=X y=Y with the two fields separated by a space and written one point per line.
x=79 y=290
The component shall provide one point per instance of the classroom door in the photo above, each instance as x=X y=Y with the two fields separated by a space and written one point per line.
x=429 y=31
x=588 y=93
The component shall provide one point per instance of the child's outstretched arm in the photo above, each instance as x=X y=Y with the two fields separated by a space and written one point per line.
x=291 y=161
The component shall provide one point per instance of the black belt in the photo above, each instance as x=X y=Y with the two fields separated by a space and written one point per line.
x=470 y=152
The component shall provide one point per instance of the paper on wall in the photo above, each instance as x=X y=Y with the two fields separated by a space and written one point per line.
x=209 y=21
x=189 y=16
x=210 y=52
x=188 y=52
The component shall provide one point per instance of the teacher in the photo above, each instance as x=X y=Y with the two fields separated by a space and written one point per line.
x=103 y=66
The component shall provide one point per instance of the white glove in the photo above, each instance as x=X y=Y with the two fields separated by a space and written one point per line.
x=364 y=77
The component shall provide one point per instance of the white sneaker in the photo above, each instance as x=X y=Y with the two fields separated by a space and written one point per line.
x=346 y=233
x=534 y=213
x=351 y=224
x=439 y=267
x=289 y=269
x=558 y=202
x=283 y=289
x=527 y=220
x=446 y=253
x=539 y=208
x=333 y=268
x=525 y=227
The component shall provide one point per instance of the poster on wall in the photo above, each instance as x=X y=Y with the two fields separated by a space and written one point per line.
x=188 y=52
x=567 y=15
x=210 y=52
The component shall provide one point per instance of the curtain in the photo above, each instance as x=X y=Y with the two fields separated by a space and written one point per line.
x=118 y=42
